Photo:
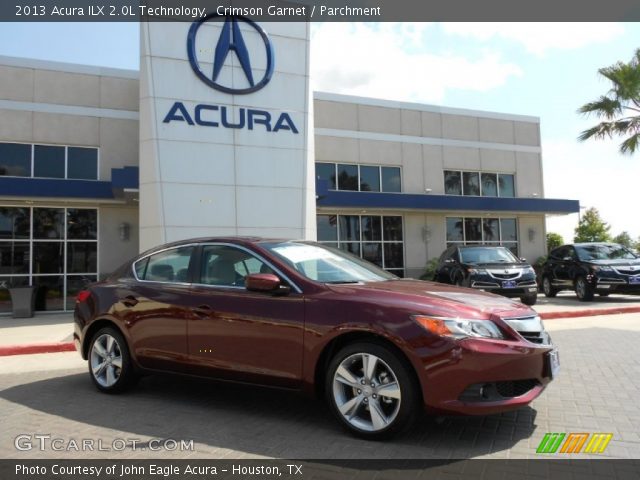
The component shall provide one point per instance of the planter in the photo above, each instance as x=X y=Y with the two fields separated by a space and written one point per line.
x=22 y=300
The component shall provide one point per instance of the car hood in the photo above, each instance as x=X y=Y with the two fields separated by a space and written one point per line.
x=430 y=298
x=497 y=266
x=616 y=262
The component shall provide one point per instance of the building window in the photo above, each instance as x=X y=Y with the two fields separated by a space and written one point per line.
x=483 y=231
x=48 y=161
x=360 y=178
x=15 y=160
x=479 y=184
x=53 y=249
x=376 y=238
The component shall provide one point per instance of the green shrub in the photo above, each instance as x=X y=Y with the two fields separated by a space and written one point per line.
x=430 y=269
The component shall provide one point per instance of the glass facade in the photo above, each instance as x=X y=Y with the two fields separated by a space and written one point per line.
x=376 y=238
x=484 y=231
x=479 y=184
x=360 y=178
x=48 y=161
x=55 y=249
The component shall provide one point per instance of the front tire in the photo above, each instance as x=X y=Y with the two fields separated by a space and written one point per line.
x=584 y=291
x=371 y=391
x=109 y=361
x=547 y=288
x=529 y=299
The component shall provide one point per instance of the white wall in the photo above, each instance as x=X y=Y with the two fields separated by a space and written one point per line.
x=200 y=181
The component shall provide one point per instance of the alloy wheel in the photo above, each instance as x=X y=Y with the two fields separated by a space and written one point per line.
x=366 y=392
x=106 y=360
x=546 y=286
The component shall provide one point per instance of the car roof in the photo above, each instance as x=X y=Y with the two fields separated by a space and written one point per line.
x=584 y=244
x=239 y=240
x=481 y=246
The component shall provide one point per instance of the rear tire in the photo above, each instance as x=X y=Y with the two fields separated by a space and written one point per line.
x=547 y=288
x=529 y=299
x=110 y=365
x=584 y=291
x=371 y=391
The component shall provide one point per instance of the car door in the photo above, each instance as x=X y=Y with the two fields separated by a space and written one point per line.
x=563 y=260
x=446 y=267
x=239 y=334
x=155 y=308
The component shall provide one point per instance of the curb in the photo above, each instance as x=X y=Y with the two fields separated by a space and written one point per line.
x=589 y=313
x=29 y=349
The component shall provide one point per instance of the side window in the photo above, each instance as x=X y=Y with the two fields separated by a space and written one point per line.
x=558 y=253
x=227 y=266
x=168 y=266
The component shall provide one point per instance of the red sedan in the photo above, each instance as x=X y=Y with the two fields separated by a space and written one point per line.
x=305 y=316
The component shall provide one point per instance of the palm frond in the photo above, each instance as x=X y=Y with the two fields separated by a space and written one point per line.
x=604 y=107
x=630 y=145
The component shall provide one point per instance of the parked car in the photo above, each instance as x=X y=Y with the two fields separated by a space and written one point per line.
x=304 y=316
x=590 y=268
x=493 y=269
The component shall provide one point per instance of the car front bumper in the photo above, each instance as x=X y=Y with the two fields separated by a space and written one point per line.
x=481 y=376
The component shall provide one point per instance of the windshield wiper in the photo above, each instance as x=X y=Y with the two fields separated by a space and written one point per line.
x=335 y=282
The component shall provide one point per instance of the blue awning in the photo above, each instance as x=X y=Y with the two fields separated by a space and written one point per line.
x=410 y=201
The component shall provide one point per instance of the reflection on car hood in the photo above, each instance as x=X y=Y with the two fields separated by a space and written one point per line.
x=497 y=265
x=616 y=262
x=436 y=298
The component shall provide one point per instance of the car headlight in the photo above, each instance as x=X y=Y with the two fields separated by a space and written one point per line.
x=528 y=270
x=478 y=271
x=458 y=327
x=601 y=268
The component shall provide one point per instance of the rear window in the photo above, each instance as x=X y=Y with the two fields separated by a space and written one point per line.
x=170 y=266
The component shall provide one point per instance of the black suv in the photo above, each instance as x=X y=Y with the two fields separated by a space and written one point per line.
x=494 y=269
x=590 y=268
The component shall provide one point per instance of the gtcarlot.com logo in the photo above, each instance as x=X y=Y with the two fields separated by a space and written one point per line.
x=47 y=442
x=574 y=442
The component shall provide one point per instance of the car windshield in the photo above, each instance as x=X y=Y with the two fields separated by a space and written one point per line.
x=589 y=253
x=327 y=265
x=478 y=255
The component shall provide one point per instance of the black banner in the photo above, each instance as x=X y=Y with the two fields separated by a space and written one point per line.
x=541 y=469
x=319 y=11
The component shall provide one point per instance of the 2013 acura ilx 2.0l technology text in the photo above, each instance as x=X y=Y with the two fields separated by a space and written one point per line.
x=305 y=316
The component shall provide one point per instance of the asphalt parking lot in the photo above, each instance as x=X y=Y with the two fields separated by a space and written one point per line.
x=51 y=394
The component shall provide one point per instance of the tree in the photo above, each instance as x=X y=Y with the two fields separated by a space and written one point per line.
x=619 y=108
x=554 y=240
x=624 y=239
x=592 y=228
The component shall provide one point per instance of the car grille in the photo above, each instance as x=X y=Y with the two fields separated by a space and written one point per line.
x=540 y=338
x=515 y=388
x=497 y=391
x=627 y=271
x=530 y=328
x=505 y=276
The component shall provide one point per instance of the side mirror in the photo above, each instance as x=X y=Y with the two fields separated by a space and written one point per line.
x=523 y=260
x=264 y=282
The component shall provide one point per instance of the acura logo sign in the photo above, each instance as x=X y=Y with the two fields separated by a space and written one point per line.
x=230 y=40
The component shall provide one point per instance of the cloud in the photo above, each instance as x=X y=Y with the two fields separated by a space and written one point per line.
x=597 y=175
x=390 y=61
x=538 y=38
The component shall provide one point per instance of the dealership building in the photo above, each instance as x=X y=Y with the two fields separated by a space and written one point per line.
x=219 y=133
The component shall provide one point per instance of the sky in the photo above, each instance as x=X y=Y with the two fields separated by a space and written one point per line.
x=544 y=70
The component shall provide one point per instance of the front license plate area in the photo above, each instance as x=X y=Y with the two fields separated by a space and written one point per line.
x=509 y=284
x=634 y=280
x=552 y=363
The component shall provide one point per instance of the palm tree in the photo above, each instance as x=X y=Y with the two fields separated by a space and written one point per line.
x=619 y=109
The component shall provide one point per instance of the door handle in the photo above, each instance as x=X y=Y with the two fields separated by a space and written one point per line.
x=130 y=301
x=202 y=310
